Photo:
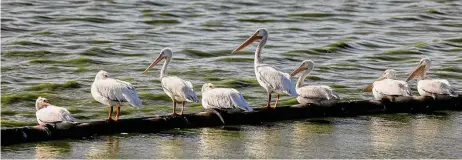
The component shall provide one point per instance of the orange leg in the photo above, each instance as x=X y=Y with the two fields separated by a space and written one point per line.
x=109 y=118
x=269 y=101
x=277 y=100
x=182 y=108
x=118 y=112
x=174 y=107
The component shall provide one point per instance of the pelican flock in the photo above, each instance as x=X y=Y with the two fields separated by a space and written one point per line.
x=312 y=94
x=269 y=78
x=52 y=115
x=112 y=92
x=386 y=85
x=179 y=90
x=430 y=87
x=223 y=98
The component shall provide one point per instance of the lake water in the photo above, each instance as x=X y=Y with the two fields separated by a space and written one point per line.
x=55 y=48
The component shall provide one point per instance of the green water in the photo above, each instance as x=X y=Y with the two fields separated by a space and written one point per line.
x=55 y=48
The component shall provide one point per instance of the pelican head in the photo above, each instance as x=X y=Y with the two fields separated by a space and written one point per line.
x=41 y=102
x=388 y=74
x=307 y=66
x=164 y=53
x=207 y=86
x=260 y=34
x=101 y=75
x=421 y=69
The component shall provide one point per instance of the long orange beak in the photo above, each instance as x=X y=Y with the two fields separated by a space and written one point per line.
x=370 y=86
x=46 y=104
x=417 y=71
x=157 y=60
x=247 y=42
x=298 y=70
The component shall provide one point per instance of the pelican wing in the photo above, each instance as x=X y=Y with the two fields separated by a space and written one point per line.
x=392 y=87
x=276 y=80
x=224 y=98
x=179 y=87
x=117 y=90
x=53 y=114
x=437 y=86
x=317 y=92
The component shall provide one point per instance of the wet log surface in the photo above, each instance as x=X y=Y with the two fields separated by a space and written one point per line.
x=211 y=118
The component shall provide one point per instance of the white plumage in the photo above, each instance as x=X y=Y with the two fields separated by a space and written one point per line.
x=316 y=94
x=49 y=114
x=223 y=98
x=112 y=92
x=386 y=85
x=179 y=90
x=430 y=87
x=269 y=78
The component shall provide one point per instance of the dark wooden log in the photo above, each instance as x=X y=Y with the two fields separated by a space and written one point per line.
x=220 y=117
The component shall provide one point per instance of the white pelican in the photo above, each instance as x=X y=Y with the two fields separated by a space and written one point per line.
x=385 y=85
x=112 y=92
x=226 y=98
x=179 y=90
x=430 y=87
x=316 y=94
x=53 y=115
x=269 y=78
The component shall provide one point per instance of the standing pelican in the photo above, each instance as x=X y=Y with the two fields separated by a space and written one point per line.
x=179 y=90
x=430 y=87
x=53 y=115
x=226 y=98
x=112 y=92
x=269 y=78
x=385 y=85
x=316 y=94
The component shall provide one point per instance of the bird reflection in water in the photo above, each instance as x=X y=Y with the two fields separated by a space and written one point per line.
x=52 y=150
x=109 y=149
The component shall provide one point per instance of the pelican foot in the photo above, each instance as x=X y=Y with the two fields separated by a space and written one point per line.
x=109 y=119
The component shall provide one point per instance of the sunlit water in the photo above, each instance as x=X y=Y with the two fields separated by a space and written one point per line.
x=351 y=42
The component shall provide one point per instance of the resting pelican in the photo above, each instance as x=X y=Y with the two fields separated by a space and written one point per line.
x=430 y=87
x=385 y=85
x=223 y=98
x=316 y=94
x=269 y=78
x=179 y=90
x=112 y=92
x=53 y=115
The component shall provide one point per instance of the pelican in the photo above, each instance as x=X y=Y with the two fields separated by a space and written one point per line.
x=112 y=92
x=226 y=98
x=430 y=87
x=52 y=115
x=385 y=85
x=269 y=78
x=179 y=90
x=316 y=94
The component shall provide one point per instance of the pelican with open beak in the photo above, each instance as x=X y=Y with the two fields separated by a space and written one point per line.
x=386 y=85
x=179 y=90
x=430 y=87
x=269 y=78
x=312 y=94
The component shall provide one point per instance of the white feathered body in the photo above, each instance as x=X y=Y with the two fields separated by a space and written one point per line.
x=435 y=87
x=274 y=81
x=390 y=87
x=224 y=98
x=178 y=89
x=316 y=94
x=53 y=114
x=110 y=91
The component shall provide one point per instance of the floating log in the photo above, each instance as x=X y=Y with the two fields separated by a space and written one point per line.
x=220 y=117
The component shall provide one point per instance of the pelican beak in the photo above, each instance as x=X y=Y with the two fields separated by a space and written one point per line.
x=247 y=42
x=157 y=60
x=370 y=86
x=298 y=70
x=46 y=104
x=417 y=71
